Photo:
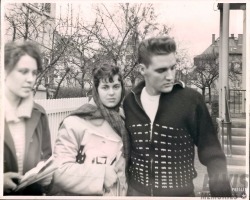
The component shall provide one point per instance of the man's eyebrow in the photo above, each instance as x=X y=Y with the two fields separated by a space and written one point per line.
x=167 y=67
x=174 y=65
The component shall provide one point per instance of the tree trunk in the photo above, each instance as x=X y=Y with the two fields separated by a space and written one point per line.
x=132 y=79
x=203 y=91
x=59 y=84
x=14 y=31
x=209 y=93
x=84 y=93
x=26 y=33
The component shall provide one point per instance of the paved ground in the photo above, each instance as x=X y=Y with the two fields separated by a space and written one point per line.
x=199 y=180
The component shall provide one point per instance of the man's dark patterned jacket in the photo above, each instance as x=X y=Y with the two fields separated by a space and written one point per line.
x=162 y=153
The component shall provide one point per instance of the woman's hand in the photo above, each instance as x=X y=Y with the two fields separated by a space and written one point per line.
x=46 y=181
x=110 y=177
x=10 y=179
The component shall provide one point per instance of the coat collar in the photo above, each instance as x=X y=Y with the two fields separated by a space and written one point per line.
x=8 y=141
x=23 y=110
x=138 y=89
x=30 y=125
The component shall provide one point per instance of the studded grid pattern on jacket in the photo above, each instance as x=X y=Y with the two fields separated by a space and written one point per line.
x=162 y=158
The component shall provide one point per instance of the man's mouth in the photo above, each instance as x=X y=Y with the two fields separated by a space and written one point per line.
x=111 y=100
x=168 y=84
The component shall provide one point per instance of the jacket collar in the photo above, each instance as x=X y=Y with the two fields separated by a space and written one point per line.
x=23 y=110
x=30 y=125
x=8 y=141
x=138 y=89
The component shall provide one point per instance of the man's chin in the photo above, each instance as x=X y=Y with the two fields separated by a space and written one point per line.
x=167 y=90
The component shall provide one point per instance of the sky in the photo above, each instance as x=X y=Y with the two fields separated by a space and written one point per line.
x=192 y=22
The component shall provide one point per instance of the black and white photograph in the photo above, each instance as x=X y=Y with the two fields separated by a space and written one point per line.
x=124 y=99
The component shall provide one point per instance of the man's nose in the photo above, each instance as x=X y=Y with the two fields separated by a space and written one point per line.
x=169 y=75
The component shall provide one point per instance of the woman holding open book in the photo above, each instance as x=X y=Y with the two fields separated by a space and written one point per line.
x=92 y=143
x=26 y=134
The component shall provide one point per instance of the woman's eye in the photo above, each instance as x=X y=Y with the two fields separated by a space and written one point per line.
x=117 y=86
x=23 y=71
x=104 y=87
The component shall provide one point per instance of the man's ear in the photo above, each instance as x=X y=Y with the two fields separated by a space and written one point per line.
x=142 y=68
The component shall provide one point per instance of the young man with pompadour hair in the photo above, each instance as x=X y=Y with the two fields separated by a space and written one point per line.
x=165 y=121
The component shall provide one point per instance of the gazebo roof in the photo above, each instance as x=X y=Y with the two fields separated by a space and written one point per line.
x=233 y=6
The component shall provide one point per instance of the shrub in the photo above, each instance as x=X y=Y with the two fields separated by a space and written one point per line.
x=65 y=92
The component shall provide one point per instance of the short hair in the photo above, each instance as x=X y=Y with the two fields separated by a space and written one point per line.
x=13 y=51
x=155 y=46
x=105 y=71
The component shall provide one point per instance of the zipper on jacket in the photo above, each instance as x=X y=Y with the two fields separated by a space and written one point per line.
x=150 y=139
x=151 y=184
x=151 y=160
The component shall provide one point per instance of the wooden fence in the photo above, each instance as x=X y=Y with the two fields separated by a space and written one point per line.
x=58 y=109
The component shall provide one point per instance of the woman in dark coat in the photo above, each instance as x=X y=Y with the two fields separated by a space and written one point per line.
x=26 y=133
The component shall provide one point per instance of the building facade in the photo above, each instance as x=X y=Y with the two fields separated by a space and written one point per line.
x=235 y=59
x=34 y=22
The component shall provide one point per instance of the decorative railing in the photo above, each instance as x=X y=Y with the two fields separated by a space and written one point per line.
x=237 y=101
x=225 y=128
x=228 y=124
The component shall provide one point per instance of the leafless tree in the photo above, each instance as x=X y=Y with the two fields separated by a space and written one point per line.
x=119 y=30
x=206 y=72
x=78 y=45
x=26 y=22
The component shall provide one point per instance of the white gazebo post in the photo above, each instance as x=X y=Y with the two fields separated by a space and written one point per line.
x=220 y=68
x=243 y=87
x=223 y=65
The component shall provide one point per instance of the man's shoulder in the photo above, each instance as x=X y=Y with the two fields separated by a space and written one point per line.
x=128 y=96
x=190 y=91
x=189 y=94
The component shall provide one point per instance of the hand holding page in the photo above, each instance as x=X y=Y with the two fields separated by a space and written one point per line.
x=41 y=171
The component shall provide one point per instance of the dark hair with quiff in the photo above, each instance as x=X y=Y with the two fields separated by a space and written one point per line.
x=13 y=51
x=155 y=46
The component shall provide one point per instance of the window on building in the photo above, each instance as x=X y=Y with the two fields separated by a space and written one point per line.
x=47 y=7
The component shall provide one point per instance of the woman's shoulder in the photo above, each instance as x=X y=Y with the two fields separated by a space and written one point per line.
x=74 y=120
x=39 y=108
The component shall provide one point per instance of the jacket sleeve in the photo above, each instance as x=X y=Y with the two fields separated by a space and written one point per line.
x=46 y=138
x=210 y=152
x=72 y=177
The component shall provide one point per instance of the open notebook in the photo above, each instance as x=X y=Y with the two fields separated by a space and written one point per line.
x=41 y=171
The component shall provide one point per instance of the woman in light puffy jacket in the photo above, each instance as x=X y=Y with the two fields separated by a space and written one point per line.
x=92 y=143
